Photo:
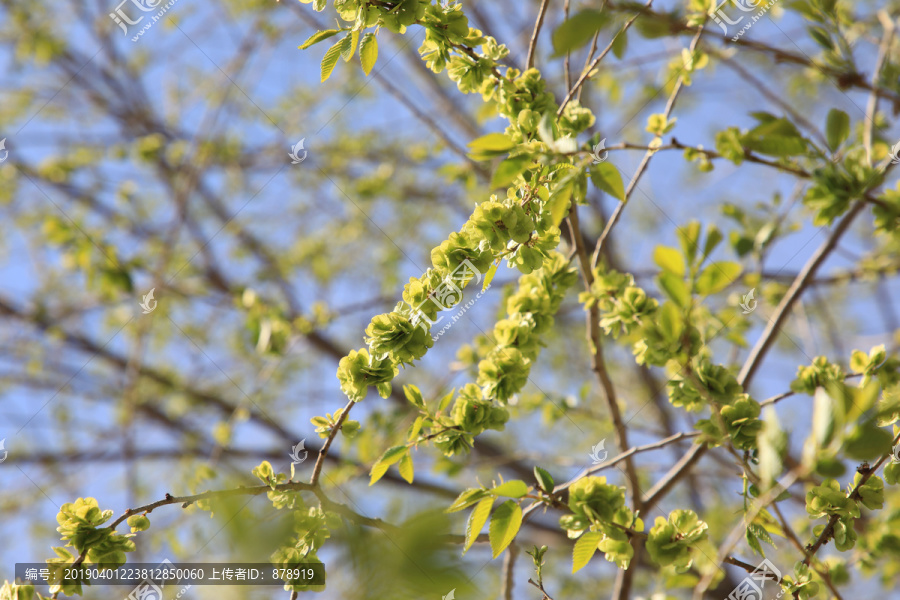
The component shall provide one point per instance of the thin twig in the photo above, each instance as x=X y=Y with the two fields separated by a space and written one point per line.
x=800 y=283
x=509 y=567
x=317 y=470
x=599 y=365
x=667 y=112
x=587 y=71
x=539 y=22
x=872 y=106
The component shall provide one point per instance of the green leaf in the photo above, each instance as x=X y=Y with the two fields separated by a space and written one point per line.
x=558 y=203
x=348 y=45
x=544 y=480
x=505 y=523
x=689 y=238
x=445 y=401
x=489 y=276
x=467 y=499
x=620 y=43
x=607 y=178
x=584 y=549
x=675 y=288
x=318 y=37
x=330 y=59
x=515 y=488
x=406 y=468
x=319 y=5
x=413 y=394
x=138 y=523
x=490 y=145
x=837 y=128
x=770 y=442
x=669 y=259
x=477 y=520
x=509 y=169
x=713 y=239
x=775 y=137
x=390 y=456
x=578 y=31
x=368 y=52
x=821 y=36
x=867 y=442
x=717 y=276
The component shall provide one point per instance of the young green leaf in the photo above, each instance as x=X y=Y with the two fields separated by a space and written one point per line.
x=578 y=30
x=368 y=52
x=330 y=59
x=544 y=480
x=489 y=276
x=476 y=521
x=669 y=259
x=515 y=488
x=837 y=128
x=558 y=204
x=505 y=523
x=717 y=276
x=348 y=46
x=406 y=467
x=675 y=288
x=467 y=499
x=620 y=44
x=509 y=169
x=584 y=549
x=490 y=145
x=607 y=178
x=390 y=456
x=318 y=37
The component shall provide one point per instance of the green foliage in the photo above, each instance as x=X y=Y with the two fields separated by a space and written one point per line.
x=358 y=370
x=819 y=374
x=671 y=540
x=544 y=169
x=79 y=523
x=706 y=383
x=623 y=306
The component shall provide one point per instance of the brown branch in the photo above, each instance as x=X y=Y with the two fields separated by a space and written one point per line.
x=872 y=105
x=320 y=461
x=595 y=340
x=645 y=162
x=800 y=283
x=539 y=22
x=585 y=74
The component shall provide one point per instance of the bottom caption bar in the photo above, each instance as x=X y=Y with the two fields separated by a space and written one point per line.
x=312 y=573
